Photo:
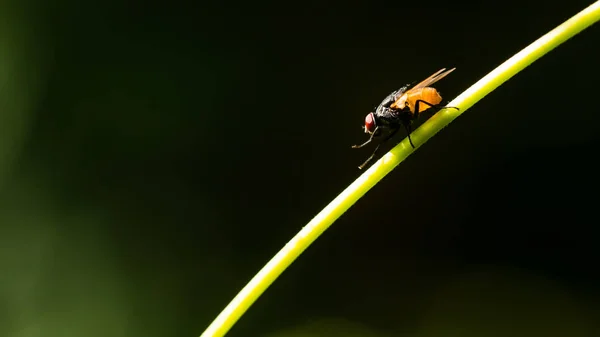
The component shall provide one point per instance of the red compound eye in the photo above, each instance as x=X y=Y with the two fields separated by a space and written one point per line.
x=370 y=123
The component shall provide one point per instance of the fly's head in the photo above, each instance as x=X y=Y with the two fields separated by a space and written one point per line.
x=370 y=123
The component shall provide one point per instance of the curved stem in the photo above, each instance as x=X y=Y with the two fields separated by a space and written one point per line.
x=267 y=275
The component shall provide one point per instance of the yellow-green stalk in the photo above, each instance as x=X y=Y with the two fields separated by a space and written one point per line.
x=284 y=258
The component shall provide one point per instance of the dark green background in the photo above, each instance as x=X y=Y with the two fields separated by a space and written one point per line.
x=153 y=157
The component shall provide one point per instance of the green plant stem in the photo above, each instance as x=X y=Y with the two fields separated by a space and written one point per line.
x=267 y=275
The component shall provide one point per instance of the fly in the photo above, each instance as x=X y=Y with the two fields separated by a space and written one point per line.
x=401 y=108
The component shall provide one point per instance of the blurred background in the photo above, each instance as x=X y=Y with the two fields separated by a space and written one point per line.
x=154 y=156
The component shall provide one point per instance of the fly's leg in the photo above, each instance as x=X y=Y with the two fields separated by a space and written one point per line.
x=408 y=128
x=438 y=107
x=368 y=141
x=417 y=107
x=407 y=124
x=392 y=133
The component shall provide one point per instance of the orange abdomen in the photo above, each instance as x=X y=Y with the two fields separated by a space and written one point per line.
x=427 y=94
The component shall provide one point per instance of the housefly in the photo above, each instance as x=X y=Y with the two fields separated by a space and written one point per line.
x=401 y=108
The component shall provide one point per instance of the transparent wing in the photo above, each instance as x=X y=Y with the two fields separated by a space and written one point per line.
x=432 y=79
x=401 y=101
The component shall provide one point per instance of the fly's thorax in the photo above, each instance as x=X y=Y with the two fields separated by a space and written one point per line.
x=384 y=122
